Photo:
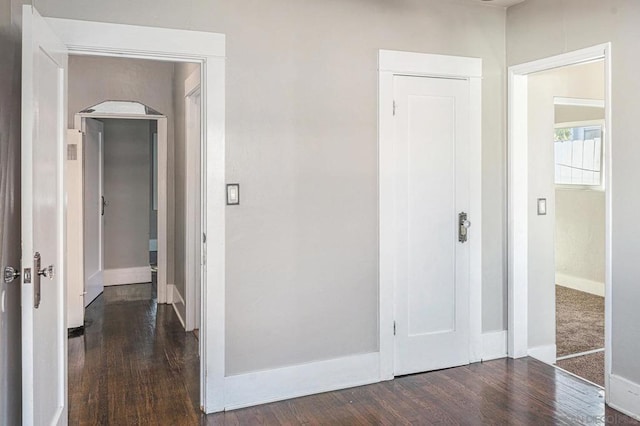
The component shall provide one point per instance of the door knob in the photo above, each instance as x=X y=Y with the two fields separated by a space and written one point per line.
x=10 y=274
x=463 y=225
x=48 y=272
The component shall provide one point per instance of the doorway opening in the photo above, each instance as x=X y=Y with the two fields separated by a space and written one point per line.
x=560 y=212
x=136 y=137
x=47 y=44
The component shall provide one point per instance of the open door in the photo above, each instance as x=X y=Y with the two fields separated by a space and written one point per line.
x=44 y=350
x=94 y=206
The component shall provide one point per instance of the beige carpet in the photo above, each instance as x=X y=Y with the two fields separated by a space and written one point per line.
x=590 y=367
x=579 y=321
x=580 y=328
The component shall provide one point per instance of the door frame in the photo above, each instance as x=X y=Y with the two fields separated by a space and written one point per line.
x=390 y=64
x=162 y=178
x=207 y=49
x=193 y=256
x=518 y=195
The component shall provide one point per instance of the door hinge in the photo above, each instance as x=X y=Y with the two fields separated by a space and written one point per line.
x=394 y=107
x=394 y=328
x=204 y=238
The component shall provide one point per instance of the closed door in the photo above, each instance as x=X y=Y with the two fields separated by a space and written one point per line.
x=432 y=190
x=94 y=205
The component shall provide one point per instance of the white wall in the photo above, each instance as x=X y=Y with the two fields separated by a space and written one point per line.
x=580 y=239
x=302 y=248
x=582 y=81
x=541 y=28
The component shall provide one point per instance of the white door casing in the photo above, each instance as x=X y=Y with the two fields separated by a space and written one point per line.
x=519 y=198
x=93 y=133
x=397 y=63
x=162 y=197
x=207 y=49
x=432 y=188
x=44 y=350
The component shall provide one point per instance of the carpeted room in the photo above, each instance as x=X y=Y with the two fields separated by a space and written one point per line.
x=580 y=330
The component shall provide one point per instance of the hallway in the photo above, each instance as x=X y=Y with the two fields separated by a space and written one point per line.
x=136 y=365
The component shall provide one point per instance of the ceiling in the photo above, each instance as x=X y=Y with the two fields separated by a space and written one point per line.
x=501 y=3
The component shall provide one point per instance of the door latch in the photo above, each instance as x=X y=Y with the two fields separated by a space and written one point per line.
x=463 y=226
x=48 y=272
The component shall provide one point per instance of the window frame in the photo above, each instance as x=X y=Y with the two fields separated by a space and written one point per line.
x=581 y=187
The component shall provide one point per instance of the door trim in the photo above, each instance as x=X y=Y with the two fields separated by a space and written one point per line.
x=517 y=144
x=207 y=49
x=391 y=63
x=162 y=178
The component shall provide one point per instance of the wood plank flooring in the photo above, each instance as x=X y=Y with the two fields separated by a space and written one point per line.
x=136 y=365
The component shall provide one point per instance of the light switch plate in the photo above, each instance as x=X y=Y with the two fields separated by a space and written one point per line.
x=233 y=194
x=542 y=206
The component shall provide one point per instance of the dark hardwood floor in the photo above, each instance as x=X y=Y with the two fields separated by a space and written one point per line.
x=136 y=365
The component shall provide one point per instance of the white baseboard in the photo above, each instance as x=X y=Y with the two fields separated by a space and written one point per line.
x=494 y=345
x=170 y=291
x=175 y=299
x=624 y=396
x=581 y=284
x=545 y=353
x=261 y=387
x=135 y=275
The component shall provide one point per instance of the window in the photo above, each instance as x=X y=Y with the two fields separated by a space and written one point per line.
x=578 y=155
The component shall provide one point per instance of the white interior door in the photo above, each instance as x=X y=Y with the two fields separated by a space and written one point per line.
x=44 y=352
x=198 y=210
x=193 y=236
x=93 y=131
x=432 y=265
x=75 y=230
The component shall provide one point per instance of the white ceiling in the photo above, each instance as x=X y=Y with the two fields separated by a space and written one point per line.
x=501 y=3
